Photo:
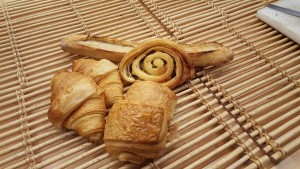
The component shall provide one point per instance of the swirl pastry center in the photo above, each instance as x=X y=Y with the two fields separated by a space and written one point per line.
x=157 y=60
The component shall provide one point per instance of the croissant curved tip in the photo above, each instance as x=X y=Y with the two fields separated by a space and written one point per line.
x=96 y=137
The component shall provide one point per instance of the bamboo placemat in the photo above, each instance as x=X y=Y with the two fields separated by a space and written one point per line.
x=245 y=114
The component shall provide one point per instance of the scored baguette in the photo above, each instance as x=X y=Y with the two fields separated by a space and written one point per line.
x=202 y=54
x=97 y=47
x=208 y=54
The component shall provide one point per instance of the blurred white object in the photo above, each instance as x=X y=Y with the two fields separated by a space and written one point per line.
x=288 y=25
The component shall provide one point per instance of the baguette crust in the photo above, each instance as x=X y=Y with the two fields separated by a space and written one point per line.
x=208 y=54
x=97 y=47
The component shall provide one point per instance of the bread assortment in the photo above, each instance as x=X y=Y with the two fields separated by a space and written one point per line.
x=203 y=55
x=157 y=60
x=136 y=128
x=77 y=103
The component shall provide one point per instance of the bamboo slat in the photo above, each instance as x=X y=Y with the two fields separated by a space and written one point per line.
x=244 y=114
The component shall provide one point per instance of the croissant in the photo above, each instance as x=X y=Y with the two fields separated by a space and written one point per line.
x=106 y=74
x=158 y=60
x=136 y=127
x=77 y=103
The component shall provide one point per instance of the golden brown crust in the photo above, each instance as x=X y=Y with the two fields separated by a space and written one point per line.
x=77 y=103
x=208 y=54
x=195 y=48
x=203 y=54
x=106 y=75
x=93 y=68
x=137 y=127
x=134 y=122
x=158 y=60
x=113 y=88
x=97 y=47
x=69 y=91
x=153 y=94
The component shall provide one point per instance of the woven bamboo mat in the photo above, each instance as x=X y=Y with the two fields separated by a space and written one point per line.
x=245 y=114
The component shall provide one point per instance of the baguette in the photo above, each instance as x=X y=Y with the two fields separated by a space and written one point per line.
x=202 y=54
x=97 y=47
x=208 y=54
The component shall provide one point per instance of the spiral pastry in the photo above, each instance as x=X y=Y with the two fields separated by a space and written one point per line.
x=157 y=60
